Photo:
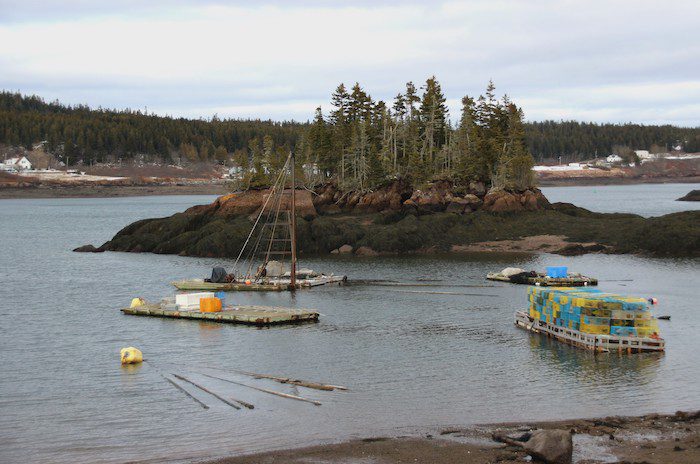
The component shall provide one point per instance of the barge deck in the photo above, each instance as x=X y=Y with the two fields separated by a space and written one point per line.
x=599 y=343
x=545 y=281
x=252 y=315
x=276 y=285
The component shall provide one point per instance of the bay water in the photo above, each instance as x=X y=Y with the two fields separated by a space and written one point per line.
x=416 y=358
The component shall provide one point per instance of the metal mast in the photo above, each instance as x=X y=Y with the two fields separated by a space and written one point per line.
x=293 y=230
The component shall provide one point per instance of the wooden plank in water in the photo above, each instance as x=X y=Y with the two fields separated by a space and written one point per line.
x=255 y=315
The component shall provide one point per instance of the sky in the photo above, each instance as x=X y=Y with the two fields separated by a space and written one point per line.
x=603 y=61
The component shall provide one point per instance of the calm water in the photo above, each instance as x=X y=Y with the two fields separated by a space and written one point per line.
x=644 y=199
x=412 y=360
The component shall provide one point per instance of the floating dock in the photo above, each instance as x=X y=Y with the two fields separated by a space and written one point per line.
x=252 y=315
x=276 y=285
x=595 y=342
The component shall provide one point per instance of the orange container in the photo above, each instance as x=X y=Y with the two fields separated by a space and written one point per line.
x=209 y=305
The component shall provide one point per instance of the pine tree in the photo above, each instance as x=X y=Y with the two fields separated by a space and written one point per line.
x=466 y=140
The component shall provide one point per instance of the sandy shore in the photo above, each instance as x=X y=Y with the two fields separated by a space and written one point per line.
x=651 y=439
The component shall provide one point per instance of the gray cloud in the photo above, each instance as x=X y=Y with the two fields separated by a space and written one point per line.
x=602 y=61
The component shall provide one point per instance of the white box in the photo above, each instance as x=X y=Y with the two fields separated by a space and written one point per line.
x=191 y=300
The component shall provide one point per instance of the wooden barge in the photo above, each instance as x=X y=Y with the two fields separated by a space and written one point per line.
x=542 y=280
x=594 y=342
x=252 y=315
x=276 y=285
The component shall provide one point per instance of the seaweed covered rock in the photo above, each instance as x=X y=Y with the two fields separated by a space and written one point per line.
x=693 y=195
x=445 y=221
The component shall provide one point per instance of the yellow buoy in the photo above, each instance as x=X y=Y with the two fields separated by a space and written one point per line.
x=131 y=355
x=136 y=302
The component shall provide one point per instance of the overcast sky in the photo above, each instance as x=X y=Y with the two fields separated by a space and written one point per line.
x=604 y=61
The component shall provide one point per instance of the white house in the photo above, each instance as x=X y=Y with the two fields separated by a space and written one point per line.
x=614 y=159
x=17 y=164
x=644 y=154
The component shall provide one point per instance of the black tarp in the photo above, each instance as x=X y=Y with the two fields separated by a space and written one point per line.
x=218 y=275
x=522 y=277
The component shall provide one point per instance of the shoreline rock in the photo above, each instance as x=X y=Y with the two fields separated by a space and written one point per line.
x=436 y=220
x=693 y=195
x=652 y=438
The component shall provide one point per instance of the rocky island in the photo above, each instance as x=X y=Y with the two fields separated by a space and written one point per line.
x=398 y=218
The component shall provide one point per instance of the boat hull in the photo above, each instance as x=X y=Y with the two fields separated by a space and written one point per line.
x=600 y=343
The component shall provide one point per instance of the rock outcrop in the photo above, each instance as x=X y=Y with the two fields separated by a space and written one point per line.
x=549 y=446
x=88 y=249
x=398 y=219
x=439 y=196
x=693 y=195
x=248 y=203
x=501 y=201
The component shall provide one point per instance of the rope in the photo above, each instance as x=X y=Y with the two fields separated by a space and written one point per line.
x=262 y=211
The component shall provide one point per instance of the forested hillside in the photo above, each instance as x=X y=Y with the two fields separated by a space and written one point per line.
x=99 y=135
x=359 y=141
x=580 y=140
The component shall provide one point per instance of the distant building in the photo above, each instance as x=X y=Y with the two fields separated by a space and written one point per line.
x=16 y=164
x=644 y=154
x=612 y=159
x=236 y=172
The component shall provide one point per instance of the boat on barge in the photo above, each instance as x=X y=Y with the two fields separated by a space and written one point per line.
x=593 y=320
x=261 y=264
x=554 y=277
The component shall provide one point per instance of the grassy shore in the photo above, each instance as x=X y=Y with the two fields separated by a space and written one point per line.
x=651 y=439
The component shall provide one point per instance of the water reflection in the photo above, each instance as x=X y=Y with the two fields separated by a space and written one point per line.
x=595 y=369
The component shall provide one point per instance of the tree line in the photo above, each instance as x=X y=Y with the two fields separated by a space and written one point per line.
x=78 y=133
x=361 y=142
x=576 y=141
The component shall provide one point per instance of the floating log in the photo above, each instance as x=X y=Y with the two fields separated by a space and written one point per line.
x=265 y=390
x=298 y=382
x=664 y=318
x=207 y=390
x=285 y=380
x=172 y=382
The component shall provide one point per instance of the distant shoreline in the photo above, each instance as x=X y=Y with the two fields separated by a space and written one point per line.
x=594 y=181
x=109 y=191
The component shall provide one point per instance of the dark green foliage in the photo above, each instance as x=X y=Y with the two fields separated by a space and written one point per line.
x=79 y=133
x=575 y=140
x=361 y=142
x=328 y=233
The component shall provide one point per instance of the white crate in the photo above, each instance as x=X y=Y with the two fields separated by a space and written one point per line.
x=191 y=300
